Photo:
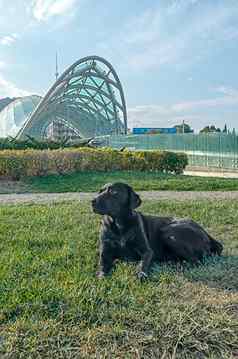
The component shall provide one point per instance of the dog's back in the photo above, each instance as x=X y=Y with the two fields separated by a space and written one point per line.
x=179 y=239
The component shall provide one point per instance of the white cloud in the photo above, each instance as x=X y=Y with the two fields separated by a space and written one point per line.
x=8 y=39
x=227 y=91
x=193 y=112
x=177 y=34
x=205 y=104
x=9 y=89
x=44 y=9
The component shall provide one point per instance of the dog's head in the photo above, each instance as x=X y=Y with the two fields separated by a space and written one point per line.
x=115 y=199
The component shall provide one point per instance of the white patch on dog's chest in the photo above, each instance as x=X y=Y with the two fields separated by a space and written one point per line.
x=123 y=241
x=172 y=238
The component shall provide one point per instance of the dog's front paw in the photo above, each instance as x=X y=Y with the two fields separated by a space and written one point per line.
x=142 y=276
x=100 y=274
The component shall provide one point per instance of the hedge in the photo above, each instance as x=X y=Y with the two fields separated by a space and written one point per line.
x=10 y=143
x=18 y=164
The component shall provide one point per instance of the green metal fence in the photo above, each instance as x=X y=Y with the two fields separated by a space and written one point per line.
x=203 y=150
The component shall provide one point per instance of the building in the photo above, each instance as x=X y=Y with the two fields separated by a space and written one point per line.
x=5 y=101
x=87 y=100
x=153 y=130
x=15 y=114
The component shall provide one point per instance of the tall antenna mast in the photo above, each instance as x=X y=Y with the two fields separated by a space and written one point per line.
x=56 y=66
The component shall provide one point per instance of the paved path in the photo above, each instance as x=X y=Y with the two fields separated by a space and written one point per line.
x=151 y=195
x=220 y=174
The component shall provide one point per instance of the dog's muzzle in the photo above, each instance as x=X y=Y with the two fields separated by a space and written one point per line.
x=96 y=207
x=94 y=203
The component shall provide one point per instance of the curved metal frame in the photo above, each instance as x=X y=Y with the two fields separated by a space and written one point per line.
x=85 y=87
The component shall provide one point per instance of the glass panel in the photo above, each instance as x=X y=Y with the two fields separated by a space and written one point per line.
x=103 y=112
x=104 y=87
x=97 y=80
x=90 y=82
x=36 y=100
x=19 y=112
x=100 y=98
x=14 y=116
x=84 y=92
x=75 y=81
x=110 y=106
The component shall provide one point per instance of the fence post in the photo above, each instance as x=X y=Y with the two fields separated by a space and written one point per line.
x=236 y=149
x=219 y=151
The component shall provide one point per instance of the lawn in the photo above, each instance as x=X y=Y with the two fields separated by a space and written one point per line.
x=52 y=306
x=92 y=181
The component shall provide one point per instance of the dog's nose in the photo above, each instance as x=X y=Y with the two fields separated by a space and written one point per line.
x=93 y=201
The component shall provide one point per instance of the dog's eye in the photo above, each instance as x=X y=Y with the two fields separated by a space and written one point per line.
x=113 y=192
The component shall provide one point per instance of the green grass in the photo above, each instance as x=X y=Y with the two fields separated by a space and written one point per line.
x=52 y=306
x=92 y=181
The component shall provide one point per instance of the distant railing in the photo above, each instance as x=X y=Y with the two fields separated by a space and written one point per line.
x=204 y=150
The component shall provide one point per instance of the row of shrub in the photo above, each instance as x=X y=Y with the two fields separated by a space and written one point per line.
x=11 y=143
x=17 y=164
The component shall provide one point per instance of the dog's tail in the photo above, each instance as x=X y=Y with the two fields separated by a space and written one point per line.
x=216 y=247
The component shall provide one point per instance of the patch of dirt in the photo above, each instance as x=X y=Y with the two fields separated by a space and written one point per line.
x=13 y=198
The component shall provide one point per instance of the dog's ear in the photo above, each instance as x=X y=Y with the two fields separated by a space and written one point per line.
x=134 y=199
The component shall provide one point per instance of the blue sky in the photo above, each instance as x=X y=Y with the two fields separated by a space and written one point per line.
x=177 y=59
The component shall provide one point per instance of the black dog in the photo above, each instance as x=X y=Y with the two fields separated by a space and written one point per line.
x=130 y=235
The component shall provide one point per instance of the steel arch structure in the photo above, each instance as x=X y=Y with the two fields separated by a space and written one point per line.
x=88 y=97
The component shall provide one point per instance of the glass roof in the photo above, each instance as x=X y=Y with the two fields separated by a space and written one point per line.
x=88 y=96
x=13 y=116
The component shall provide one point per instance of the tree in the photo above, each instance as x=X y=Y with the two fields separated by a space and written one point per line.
x=225 y=129
x=183 y=128
x=210 y=129
x=205 y=129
